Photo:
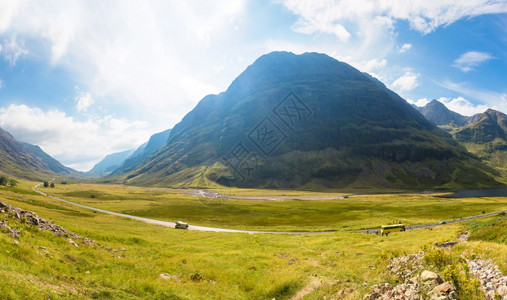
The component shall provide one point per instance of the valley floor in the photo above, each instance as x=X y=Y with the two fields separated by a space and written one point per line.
x=146 y=261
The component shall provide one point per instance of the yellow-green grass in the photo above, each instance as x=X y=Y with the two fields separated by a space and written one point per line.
x=233 y=266
x=352 y=213
x=223 y=265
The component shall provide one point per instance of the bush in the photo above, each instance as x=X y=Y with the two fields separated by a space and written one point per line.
x=197 y=276
x=459 y=275
x=439 y=258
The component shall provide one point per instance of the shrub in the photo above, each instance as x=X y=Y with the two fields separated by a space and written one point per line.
x=197 y=276
x=439 y=258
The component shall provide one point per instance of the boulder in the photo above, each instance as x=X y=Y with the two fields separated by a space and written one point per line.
x=430 y=278
x=445 y=289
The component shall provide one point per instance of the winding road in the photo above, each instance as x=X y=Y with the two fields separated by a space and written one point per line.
x=214 y=229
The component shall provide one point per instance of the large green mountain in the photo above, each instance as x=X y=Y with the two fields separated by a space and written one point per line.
x=309 y=121
x=28 y=161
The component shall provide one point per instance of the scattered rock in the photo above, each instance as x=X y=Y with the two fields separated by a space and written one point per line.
x=14 y=233
x=3 y=225
x=167 y=276
x=491 y=279
x=447 y=245
x=15 y=242
x=32 y=219
x=72 y=242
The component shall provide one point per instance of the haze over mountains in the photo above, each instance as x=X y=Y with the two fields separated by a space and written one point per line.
x=301 y=121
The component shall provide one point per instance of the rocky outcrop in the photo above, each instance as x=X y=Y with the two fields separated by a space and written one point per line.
x=492 y=280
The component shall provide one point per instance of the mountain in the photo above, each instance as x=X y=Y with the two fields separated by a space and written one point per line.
x=109 y=163
x=486 y=136
x=438 y=114
x=309 y=121
x=155 y=142
x=49 y=162
x=27 y=161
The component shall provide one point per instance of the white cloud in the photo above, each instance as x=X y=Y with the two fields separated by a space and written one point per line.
x=462 y=106
x=420 y=102
x=492 y=99
x=405 y=48
x=78 y=144
x=151 y=58
x=467 y=61
x=337 y=16
x=406 y=82
x=12 y=49
x=83 y=100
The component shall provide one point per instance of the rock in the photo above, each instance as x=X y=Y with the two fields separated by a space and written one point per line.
x=502 y=291
x=14 y=233
x=430 y=278
x=15 y=242
x=72 y=242
x=4 y=225
x=167 y=276
x=443 y=290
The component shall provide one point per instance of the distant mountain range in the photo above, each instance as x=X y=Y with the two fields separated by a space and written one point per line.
x=484 y=134
x=308 y=121
x=27 y=161
x=109 y=163
x=121 y=161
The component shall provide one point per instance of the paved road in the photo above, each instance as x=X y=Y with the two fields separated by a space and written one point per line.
x=214 y=229
x=377 y=231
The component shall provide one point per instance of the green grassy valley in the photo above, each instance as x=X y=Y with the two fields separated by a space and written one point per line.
x=133 y=260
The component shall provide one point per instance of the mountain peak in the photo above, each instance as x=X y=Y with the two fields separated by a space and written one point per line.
x=439 y=114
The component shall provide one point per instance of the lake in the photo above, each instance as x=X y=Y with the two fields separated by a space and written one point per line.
x=479 y=193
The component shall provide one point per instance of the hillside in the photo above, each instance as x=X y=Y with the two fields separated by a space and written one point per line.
x=438 y=114
x=309 y=121
x=49 y=162
x=155 y=142
x=486 y=136
x=28 y=161
x=109 y=163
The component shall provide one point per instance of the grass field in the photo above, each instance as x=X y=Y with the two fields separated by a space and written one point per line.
x=355 y=212
x=207 y=265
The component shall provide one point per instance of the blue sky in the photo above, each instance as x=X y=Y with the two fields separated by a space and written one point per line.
x=83 y=79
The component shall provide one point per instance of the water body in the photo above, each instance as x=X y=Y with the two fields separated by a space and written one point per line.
x=478 y=193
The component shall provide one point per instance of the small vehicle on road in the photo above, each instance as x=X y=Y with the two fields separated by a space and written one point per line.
x=442 y=222
x=386 y=229
x=181 y=225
